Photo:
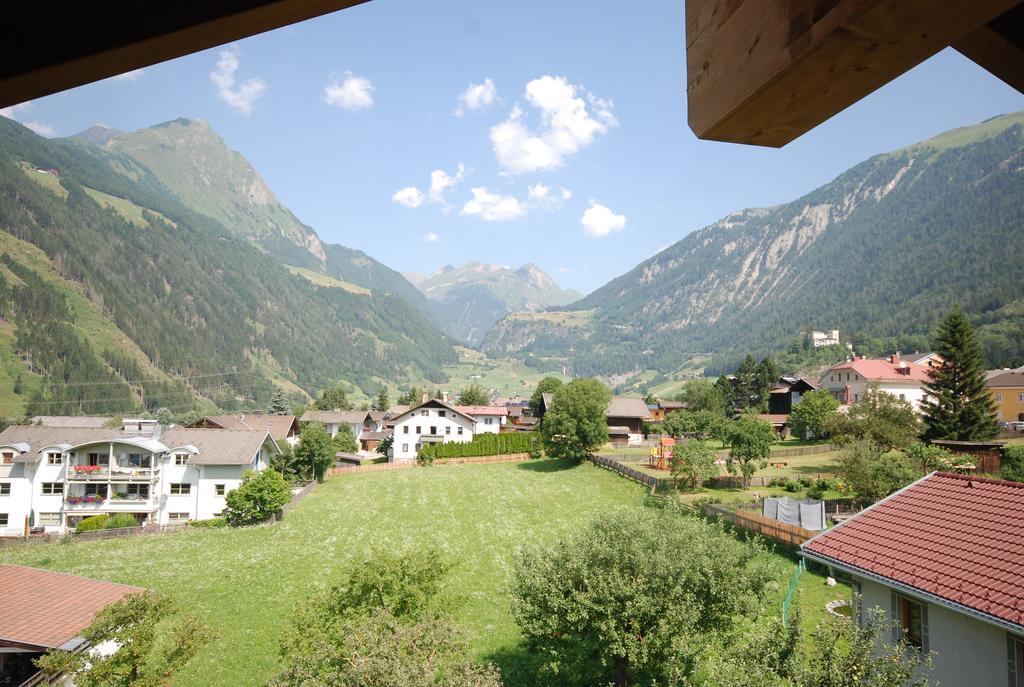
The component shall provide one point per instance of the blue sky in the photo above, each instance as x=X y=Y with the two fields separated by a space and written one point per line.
x=349 y=115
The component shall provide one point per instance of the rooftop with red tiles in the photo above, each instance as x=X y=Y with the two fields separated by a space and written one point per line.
x=46 y=609
x=955 y=537
x=884 y=369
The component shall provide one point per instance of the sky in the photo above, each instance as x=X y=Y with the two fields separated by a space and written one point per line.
x=555 y=133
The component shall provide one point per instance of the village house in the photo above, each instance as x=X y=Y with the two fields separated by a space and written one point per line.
x=46 y=610
x=849 y=380
x=787 y=393
x=941 y=558
x=660 y=410
x=281 y=427
x=1007 y=387
x=358 y=421
x=431 y=422
x=626 y=416
x=52 y=478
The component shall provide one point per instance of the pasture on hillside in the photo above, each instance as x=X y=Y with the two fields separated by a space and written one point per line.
x=245 y=582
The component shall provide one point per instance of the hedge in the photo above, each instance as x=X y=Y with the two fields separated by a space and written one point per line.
x=482 y=445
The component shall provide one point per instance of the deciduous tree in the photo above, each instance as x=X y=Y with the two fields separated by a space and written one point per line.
x=315 y=450
x=750 y=445
x=260 y=495
x=702 y=394
x=879 y=417
x=575 y=425
x=874 y=473
x=810 y=416
x=333 y=398
x=473 y=395
x=548 y=385
x=694 y=462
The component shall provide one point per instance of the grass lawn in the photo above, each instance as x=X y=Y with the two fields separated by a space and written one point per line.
x=797 y=466
x=245 y=582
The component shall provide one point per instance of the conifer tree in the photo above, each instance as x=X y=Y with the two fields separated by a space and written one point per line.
x=382 y=402
x=959 y=405
x=278 y=404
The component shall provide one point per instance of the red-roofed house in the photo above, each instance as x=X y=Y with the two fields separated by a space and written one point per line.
x=848 y=381
x=944 y=558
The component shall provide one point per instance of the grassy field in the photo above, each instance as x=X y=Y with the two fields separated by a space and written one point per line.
x=327 y=280
x=509 y=377
x=245 y=582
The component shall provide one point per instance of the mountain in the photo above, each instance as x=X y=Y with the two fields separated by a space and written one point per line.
x=118 y=291
x=473 y=297
x=100 y=134
x=882 y=253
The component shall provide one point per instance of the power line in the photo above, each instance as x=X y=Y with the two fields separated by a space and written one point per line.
x=154 y=379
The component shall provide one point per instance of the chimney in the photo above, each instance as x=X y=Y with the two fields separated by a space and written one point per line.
x=425 y=398
x=444 y=396
x=895 y=358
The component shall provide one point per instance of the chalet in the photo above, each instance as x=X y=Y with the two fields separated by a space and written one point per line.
x=46 y=610
x=626 y=416
x=1007 y=388
x=787 y=393
x=660 y=410
x=849 y=380
x=941 y=558
x=358 y=421
x=281 y=427
x=431 y=422
x=52 y=478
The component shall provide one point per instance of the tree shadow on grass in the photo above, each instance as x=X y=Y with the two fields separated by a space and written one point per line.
x=519 y=667
x=549 y=464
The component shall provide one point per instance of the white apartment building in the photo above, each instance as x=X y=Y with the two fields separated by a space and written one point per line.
x=826 y=338
x=486 y=419
x=849 y=380
x=433 y=422
x=53 y=477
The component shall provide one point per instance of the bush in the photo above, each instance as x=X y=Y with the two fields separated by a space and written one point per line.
x=261 y=495
x=121 y=520
x=212 y=522
x=823 y=484
x=791 y=486
x=92 y=523
x=482 y=445
x=816 y=493
x=805 y=482
x=1013 y=464
x=777 y=482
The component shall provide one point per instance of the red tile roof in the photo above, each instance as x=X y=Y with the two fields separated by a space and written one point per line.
x=482 y=410
x=873 y=369
x=951 y=536
x=46 y=609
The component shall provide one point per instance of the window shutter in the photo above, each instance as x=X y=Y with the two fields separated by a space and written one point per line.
x=1011 y=660
x=924 y=628
x=896 y=619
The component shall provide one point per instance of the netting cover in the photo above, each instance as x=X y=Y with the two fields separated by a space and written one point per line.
x=808 y=513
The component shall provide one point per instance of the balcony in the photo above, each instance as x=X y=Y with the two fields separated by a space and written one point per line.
x=99 y=504
x=116 y=473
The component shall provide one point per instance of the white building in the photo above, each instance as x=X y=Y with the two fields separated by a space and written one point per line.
x=53 y=477
x=432 y=422
x=487 y=419
x=826 y=338
x=848 y=381
x=359 y=421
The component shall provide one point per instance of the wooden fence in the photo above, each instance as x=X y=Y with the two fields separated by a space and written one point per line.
x=298 y=496
x=642 y=477
x=472 y=460
x=766 y=527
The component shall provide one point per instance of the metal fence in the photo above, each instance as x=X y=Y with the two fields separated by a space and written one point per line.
x=94 y=534
x=794 y=584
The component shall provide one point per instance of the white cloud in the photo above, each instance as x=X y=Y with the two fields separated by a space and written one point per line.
x=431 y=237
x=354 y=93
x=493 y=207
x=562 y=269
x=541 y=195
x=440 y=182
x=598 y=220
x=240 y=97
x=11 y=110
x=133 y=75
x=410 y=197
x=41 y=129
x=476 y=97
x=570 y=120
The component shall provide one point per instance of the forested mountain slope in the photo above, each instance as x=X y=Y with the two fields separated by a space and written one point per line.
x=189 y=295
x=473 y=297
x=881 y=252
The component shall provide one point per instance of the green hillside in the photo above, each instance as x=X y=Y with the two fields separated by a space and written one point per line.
x=882 y=253
x=192 y=298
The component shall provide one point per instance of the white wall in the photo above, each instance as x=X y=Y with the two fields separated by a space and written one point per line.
x=966 y=651
x=910 y=390
x=484 y=427
x=407 y=439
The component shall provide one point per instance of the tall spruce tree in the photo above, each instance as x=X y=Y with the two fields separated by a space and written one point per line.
x=959 y=405
x=278 y=404
x=382 y=402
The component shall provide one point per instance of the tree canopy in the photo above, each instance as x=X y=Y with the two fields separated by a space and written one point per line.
x=333 y=398
x=278 y=404
x=694 y=462
x=315 y=449
x=575 y=425
x=810 y=416
x=879 y=417
x=702 y=394
x=260 y=495
x=548 y=385
x=473 y=395
x=750 y=445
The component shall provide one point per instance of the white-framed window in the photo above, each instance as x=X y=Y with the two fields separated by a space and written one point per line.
x=177 y=517
x=181 y=459
x=49 y=520
x=433 y=430
x=96 y=490
x=181 y=489
x=488 y=420
x=219 y=489
x=5 y=488
x=999 y=398
x=448 y=429
x=3 y=519
x=7 y=458
x=405 y=448
x=460 y=430
x=53 y=458
x=50 y=488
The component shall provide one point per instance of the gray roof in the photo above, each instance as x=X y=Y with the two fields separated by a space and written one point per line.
x=335 y=417
x=1006 y=378
x=628 y=406
x=94 y=421
x=39 y=437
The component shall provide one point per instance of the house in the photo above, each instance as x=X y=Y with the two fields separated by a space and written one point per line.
x=826 y=338
x=281 y=427
x=46 y=610
x=660 y=410
x=359 y=421
x=928 y=359
x=627 y=413
x=787 y=393
x=778 y=421
x=942 y=558
x=1007 y=389
x=52 y=478
x=431 y=422
x=487 y=419
x=849 y=380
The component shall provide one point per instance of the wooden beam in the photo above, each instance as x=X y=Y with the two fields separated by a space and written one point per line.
x=999 y=47
x=767 y=71
x=53 y=45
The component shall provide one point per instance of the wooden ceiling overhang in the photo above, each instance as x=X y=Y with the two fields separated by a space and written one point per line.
x=53 y=45
x=764 y=72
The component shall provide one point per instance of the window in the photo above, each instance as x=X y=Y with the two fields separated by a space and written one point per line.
x=1020 y=398
x=442 y=413
x=433 y=430
x=913 y=621
x=487 y=420
x=405 y=429
x=219 y=489
x=177 y=517
x=180 y=489
x=405 y=448
x=8 y=458
x=96 y=490
x=53 y=458
x=419 y=430
x=460 y=431
x=856 y=397
x=180 y=458
x=98 y=459
x=132 y=491
x=3 y=519
x=999 y=398
x=53 y=488
x=448 y=430
x=425 y=413
x=5 y=488
x=903 y=397
x=49 y=520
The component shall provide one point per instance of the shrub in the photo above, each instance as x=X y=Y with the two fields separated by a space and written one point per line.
x=791 y=486
x=212 y=522
x=1013 y=464
x=823 y=484
x=261 y=495
x=816 y=493
x=777 y=482
x=93 y=522
x=121 y=520
x=805 y=482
